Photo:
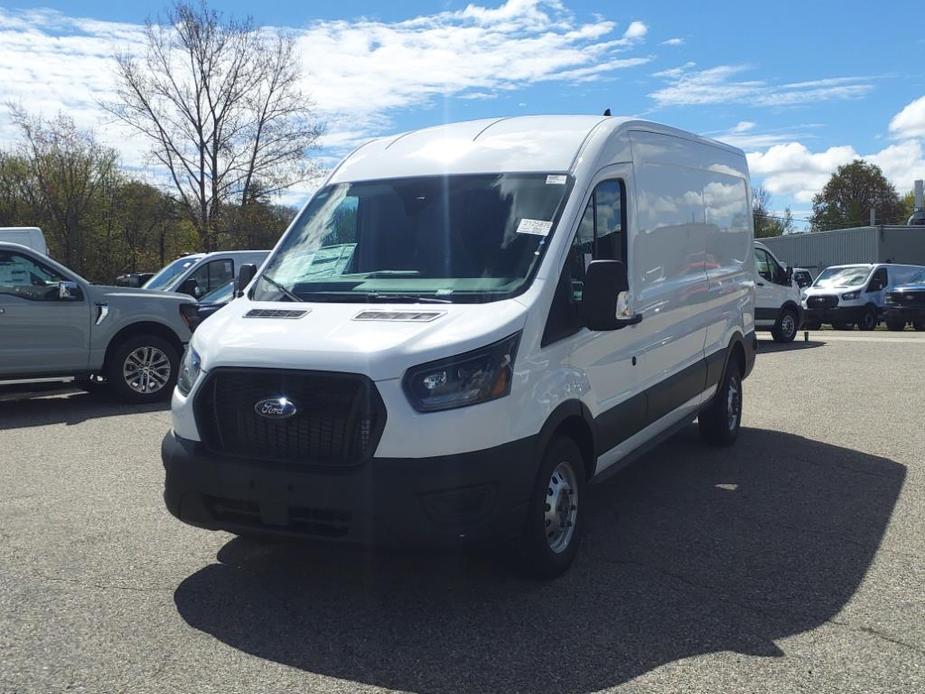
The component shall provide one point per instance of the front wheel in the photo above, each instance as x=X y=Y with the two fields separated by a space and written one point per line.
x=868 y=321
x=553 y=527
x=720 y=421
x=143 y=369
x=785 y=330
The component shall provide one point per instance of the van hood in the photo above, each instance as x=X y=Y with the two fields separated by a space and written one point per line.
x=833 y=289
x=371 y=339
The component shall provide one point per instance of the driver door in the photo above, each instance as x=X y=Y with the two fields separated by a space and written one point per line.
x=41 y=331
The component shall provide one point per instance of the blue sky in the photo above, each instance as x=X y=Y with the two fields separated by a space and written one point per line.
x=801 y=86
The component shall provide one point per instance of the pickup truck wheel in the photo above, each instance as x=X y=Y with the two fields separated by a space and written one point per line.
x=785 y=330
x=868 y=321
x=720 y=421
x=895 y=325
x=553 y=527
x=143 y=369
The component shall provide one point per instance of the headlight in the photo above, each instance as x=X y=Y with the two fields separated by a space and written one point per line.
x=190 y=368
x=478 y=376
x=851 y=296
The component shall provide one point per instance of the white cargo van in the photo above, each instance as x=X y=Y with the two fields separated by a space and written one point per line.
x=466 y=325
x=778 y=307
x=30 y=237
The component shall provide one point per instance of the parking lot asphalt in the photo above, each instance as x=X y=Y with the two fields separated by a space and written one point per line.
x=792 y=562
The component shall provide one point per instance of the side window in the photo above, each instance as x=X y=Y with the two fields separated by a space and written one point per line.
x=764 y=265
x=600 y=233
x=878 y=281
x=24 y=277
x=213 y=275
x=600 y=236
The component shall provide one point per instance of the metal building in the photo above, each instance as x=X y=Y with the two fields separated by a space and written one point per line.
x=879 y=244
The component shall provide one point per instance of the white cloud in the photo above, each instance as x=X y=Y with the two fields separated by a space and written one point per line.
x=743 y=126
x=636 y=30
x=910 y=122
x=676 y=41
x=359 y=73
x=720 y=85
x=793 y=169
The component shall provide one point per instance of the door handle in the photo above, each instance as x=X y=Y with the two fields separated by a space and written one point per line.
x=760 y=284
x=2 y=310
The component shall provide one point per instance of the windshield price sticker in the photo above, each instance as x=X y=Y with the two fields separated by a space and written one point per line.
x=555 y=180
x=537 y=227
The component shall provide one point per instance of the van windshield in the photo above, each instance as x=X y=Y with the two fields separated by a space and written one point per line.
x=466 y=238
x=842 y=276
x=168 y=273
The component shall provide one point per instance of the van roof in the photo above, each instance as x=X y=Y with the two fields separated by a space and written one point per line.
x=522 y=144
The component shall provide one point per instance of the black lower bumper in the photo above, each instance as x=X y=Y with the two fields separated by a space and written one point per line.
x=471 y=497
x=839 y=314
x=903 y=314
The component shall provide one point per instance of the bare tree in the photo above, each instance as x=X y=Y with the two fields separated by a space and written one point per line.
x=219 y=100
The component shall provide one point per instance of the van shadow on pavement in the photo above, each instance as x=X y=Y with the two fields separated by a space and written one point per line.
x=769 y=346
x=21 y=410
x=689 y=551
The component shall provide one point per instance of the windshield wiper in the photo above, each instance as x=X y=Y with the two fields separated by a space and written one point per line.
x=286 y=292
x=406 y=298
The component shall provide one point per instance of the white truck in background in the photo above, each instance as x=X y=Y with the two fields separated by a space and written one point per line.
x=30 y=237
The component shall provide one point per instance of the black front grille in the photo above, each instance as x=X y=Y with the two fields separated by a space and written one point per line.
x=322 y=522
x=824 y=301
x=906 y=298
x=338 y=421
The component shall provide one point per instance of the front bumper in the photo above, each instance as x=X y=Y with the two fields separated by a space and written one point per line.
x=839 y=314
x=903 y=313
x=471 y=497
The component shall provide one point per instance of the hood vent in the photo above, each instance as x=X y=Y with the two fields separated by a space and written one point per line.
x=407 y=316
x=274 y=313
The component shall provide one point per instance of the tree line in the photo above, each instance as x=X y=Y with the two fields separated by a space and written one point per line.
x=218 y=103
x=846 y=201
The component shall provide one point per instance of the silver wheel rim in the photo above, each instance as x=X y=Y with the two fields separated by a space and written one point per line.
x=787 y=325
x=561 y=507
x=733 y=403
x=146 y=370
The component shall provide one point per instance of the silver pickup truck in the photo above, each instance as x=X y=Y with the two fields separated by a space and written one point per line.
x=55 y=324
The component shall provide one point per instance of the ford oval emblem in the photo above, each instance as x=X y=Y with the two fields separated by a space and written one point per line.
x=275 y=408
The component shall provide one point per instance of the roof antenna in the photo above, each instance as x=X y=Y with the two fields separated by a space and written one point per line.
x=607 y=112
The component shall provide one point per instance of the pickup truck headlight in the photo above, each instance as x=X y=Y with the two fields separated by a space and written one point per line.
x=850 y=296
x=190 y=368
x=478 y=376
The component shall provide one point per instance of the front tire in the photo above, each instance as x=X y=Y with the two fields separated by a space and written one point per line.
x=552 y=532
x=720 y=421
x=868 y=321
x=143 y=369
x=786 y=327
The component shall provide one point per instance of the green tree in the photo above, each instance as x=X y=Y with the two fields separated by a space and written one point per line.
x=851 y=193
x=766 y=224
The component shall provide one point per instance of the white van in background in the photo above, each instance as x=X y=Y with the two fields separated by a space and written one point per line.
x=199 y=274
x=777 y=296
x=30 y=237
x=849 y=295
x=466 y=325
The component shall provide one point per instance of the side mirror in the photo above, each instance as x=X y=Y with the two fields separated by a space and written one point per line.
x=191 y=287
x=69 y=291
x=245 y=274
x=605 y=293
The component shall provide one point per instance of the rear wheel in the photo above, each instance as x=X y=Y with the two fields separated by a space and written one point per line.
x=553 y=527
x=721 y=419
x=785 y=330
x=868 y=321
x=143 y=369
x=895 y=325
